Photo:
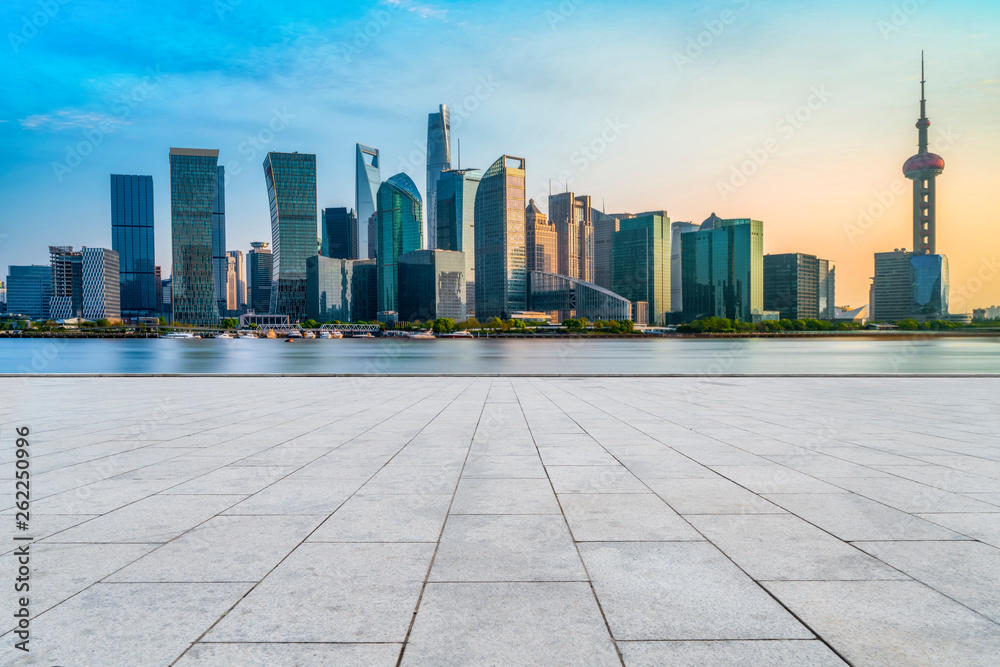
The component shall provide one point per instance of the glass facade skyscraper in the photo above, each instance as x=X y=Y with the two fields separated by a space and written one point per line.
x=291 y=192
x=400 y=230
x=431 y=285
x=132 y=239
x=640 y=262
x=501 y=273
x=339 y=232
x=193 y=177
x=438 y=160
x=604 y=228
x=676 y=262
x=456 y=220
x=549 y=292
x=723 y=269
x=259 y=268
x=220 y=261
x=791 y=285
x=67 y=283
x=341 y=290
x=236 y=286
x=29 y=290
x=367 y=180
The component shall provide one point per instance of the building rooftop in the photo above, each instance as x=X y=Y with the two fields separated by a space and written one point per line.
x=478 y=520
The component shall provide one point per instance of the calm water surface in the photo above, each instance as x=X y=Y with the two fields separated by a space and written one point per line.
x=638 y=357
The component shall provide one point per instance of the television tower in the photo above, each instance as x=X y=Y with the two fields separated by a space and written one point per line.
x=923 y=169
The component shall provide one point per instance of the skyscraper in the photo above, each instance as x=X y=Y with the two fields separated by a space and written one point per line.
x=194 y=174
x=132 y=239
x=341 y=289
x=574 y=225
x=259 y=269
x=827 y=289
x=67 y=283
x=640 y=263
x=367 y=180
x=923 y=169
x=101 y=284
x=220 y=262
x=791 y=285
x=438 y=160
x=291 y=191
x=400 y=230
x=456 y=218
x=236 y=291
x=29 y=291
x=501 y=273
x=676 y=262
x=157 y=271
x=604 y=228
x=541 y=241
x=723 y=269
x=339 y=231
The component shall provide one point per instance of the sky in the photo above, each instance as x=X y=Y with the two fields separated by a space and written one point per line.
x=799 y=114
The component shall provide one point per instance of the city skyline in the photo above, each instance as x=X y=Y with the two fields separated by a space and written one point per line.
x=843 y=159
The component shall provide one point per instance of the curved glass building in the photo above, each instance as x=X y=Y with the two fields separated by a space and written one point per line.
x=501 y=262
x=399 y=230
x=552 y=292
x=367 y=180
x=456 y=219
x=438 y=160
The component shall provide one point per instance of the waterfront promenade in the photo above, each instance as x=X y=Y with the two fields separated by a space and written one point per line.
x=507 y=521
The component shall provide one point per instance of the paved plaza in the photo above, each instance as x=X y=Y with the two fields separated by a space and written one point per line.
x=507 y=521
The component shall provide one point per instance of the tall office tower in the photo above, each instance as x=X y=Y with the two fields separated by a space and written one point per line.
x=723 y=269
x=574 y=225
x=343 y=290
x=67 y=283
x=3 y=297
x=923 y=169
x=132 y=239
x=291 y=191
x=676 y=283
x=400 y=230
x=238 y=286
x=158 y=273
x=456 y=220
x=194 y=174
x=29 y=291
x=640 y=263
x=167 y=308
x=220 y=263
x=540 y=240
x=431 y=285
x=791 y=285
x=604 y=228
x=259 y=268
x=101 y=284
x=367 y=180
x=438 y=160
x=501 y=262
x=339 y=231
x=827 y=289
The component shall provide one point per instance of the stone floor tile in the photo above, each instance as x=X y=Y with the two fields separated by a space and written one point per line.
x=510 y=624
x=711 y=496
x=504 y=496
x=594 y=479
x=386 y=518
x=291 y=655
x=628 y=517
x=781 y=653
x=682 y=590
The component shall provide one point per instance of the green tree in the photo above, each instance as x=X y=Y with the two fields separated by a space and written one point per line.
x=909 y=324
x=496 y=324
x=103 y=322
x=444 y=325
x=230 y=323
x=310 y=324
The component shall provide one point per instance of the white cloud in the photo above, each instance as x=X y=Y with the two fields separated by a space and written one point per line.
x=423 y=11
x=70 y=119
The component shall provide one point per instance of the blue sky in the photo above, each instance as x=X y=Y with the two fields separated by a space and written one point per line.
x=642 y=105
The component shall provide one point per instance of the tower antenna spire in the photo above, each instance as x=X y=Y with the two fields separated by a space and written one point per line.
x=923 y=82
